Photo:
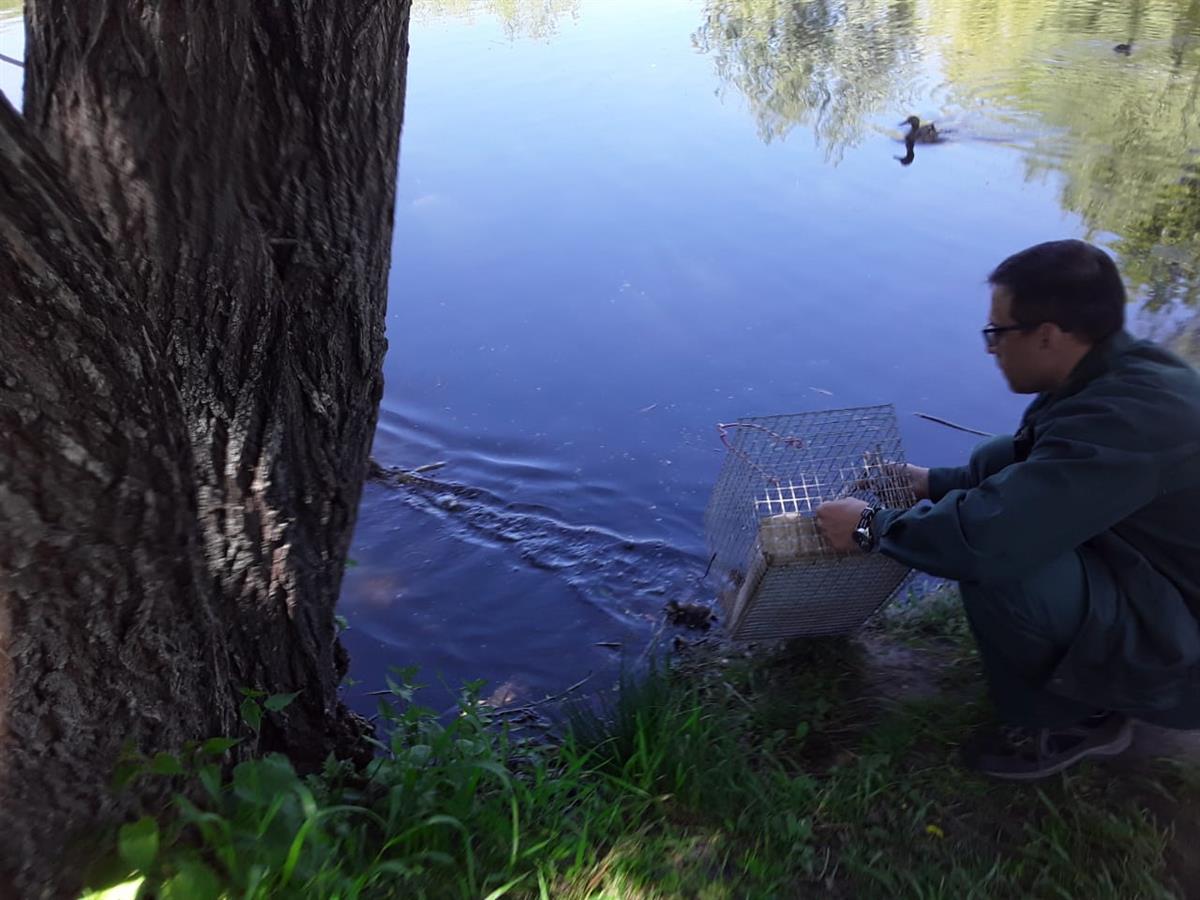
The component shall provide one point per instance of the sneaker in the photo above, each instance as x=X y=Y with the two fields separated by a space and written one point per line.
x=1026 y=754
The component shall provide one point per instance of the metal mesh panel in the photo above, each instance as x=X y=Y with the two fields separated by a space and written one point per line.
x=784 y=579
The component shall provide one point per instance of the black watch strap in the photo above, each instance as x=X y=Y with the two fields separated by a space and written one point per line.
x=865 y=535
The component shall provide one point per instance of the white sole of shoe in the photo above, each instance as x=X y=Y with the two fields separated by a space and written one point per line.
x=1118 y=745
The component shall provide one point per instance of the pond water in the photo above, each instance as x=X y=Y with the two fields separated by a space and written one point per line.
x=621 y=222
x=12 y=45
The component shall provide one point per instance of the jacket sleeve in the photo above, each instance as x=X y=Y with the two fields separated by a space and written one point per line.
x=988 y=458
x=944 y=480
x=1090 y=468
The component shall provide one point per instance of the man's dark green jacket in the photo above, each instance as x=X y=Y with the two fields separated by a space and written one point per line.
x=1107 y=466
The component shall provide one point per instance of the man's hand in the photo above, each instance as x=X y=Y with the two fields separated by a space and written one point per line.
x=894 y=476
x=837 y=520
x=918 y=477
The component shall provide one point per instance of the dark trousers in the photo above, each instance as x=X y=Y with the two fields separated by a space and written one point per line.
x=1024 y=626
x=1023 y=629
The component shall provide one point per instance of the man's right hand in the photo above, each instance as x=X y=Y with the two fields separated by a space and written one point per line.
x=896 y=474
x=918 y=478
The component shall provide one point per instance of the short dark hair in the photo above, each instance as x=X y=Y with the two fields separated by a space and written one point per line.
x=1073 y=284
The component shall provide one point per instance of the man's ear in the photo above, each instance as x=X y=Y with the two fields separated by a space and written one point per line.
x=1050 y=335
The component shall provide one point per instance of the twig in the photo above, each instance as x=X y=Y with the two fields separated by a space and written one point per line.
x=428 y=467
x=653 y=642
x=549 y=698
x=953 y=425
x=504 y=711
x=825 y=868
x=733 y=691
x=378 y=470
x=15 y=62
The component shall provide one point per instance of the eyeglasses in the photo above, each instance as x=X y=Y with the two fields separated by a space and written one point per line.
x=991 y=334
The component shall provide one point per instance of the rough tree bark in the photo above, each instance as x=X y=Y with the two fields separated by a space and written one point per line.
x=195 y=234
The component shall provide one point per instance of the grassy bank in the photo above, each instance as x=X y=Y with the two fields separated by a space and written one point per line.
x=824 y=768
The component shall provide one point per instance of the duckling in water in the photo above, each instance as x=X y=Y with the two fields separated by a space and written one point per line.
x=920 y=134
x=689 y=615
x=1124 y=49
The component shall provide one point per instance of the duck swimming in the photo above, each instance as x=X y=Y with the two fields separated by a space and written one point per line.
x=920 y=134
x=1124 y=49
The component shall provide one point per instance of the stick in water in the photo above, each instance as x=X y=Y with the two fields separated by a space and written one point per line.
x=953 y=425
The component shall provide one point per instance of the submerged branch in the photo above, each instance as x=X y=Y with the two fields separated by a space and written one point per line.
x=955 y=426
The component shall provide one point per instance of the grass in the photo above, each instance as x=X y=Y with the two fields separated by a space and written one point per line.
x=786 y=774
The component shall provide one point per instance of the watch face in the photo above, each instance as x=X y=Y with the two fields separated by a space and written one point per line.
x=863 y=534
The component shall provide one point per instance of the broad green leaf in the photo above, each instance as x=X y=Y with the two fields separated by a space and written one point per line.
x=210 y=777
x=251 y=713
x=488 y=765
x=218 y=745
x=126 y=890
x=194 y=881
x=137 y=843
x=276 y=702
x=126 y=771
x=262 y=781
x=166 y=764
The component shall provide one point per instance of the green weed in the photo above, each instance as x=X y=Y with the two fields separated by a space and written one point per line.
x=724 y=775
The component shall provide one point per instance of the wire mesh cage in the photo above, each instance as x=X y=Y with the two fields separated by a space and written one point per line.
x=783 y=578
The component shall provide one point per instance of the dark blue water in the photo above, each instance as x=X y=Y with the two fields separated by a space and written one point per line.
x=598 y=257
x=606 y=243
x=12 y=44
x=620 y=222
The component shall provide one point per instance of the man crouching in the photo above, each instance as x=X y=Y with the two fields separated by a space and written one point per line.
x=1075 y=542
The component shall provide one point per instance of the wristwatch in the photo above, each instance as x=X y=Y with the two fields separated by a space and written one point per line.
x=864 y=534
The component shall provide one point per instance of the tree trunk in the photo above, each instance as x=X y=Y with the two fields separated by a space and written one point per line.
x=195 y=232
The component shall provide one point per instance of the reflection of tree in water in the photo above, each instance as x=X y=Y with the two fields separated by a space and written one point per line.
x=828 y=64
x=1158 y=239
x=1123 y=133
x=1143 y=185
x=520 y=18
x=1184 y=339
